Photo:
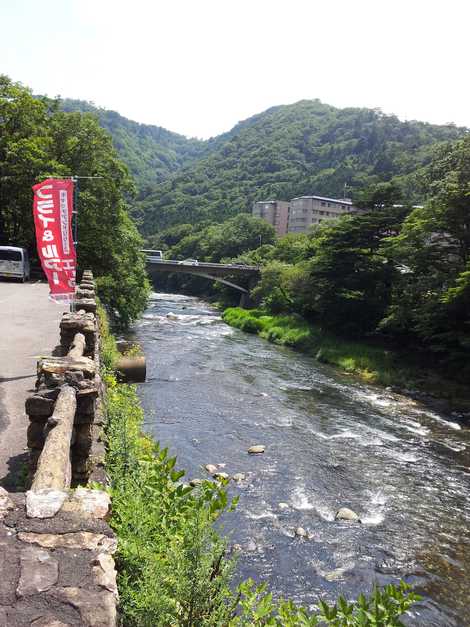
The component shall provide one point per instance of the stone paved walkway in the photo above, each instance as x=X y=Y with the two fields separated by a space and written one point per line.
x=58 y=571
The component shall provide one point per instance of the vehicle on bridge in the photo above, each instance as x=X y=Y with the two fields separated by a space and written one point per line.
x=189 y=262
x=153 y=255
x=14 y=262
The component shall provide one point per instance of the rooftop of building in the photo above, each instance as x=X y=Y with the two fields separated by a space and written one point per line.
x=267 y=202
x=343 y=201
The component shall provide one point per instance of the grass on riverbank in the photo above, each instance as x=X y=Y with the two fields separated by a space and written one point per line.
x=173 y=567
x=369 y=362
x=373 y=364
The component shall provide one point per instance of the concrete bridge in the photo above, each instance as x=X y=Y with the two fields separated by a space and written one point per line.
x=213 y=271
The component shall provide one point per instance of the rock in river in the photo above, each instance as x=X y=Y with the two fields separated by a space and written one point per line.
x=239 y=476
x=344 y=513
x=300 y=532
x=211 y=468
x=195 y=482
x=221 y=475
x=257 y=448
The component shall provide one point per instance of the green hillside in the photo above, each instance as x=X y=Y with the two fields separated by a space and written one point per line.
x=151 y=153
x=304 y=148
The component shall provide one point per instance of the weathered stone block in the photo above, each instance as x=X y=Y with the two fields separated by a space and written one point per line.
x=80 y=465
x=35 y=435
x=5 y=502
x=85 y=292
x=39 y=571
x=86 y=400
x=44 y=503
x=39 y=405
x=84 y=419
x=87 y=284
x=97 y=609
x=51 y=393
x=88 y=304
x=83 y=438
x=78 y=540
x=104 y=573
x=95 y=503
x=62 y=365
x=98 y=475
x=75 y=322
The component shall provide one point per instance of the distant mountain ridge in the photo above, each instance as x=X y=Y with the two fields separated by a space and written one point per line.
x=288 y=150
x=151 y=152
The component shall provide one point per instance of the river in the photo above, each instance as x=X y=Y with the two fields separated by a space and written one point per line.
x=331 y=441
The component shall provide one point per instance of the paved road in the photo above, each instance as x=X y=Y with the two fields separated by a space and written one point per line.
x=29 y=326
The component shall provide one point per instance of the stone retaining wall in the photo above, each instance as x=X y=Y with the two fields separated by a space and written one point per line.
x=87 y=450
x=56 y=564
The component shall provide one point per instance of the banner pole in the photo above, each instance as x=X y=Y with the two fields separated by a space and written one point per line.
x=75 y=233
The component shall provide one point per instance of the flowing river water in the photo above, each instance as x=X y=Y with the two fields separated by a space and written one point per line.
x=213 y=391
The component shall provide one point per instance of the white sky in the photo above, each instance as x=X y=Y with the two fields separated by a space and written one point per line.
x=199 y=66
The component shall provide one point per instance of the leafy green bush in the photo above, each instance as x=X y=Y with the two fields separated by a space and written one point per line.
x=382 y=608
x=109 y=351
x=171 y=562
x=251 y=325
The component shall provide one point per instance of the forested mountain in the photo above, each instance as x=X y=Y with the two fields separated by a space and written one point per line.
x=304 y=148
x=290 y=150
x=151 y=153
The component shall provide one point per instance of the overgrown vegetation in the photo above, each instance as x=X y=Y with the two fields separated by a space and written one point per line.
x=174 y=568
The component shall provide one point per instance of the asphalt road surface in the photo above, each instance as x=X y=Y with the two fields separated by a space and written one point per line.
x=29 y=327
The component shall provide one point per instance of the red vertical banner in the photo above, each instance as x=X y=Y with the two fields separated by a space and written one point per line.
x=52 y=210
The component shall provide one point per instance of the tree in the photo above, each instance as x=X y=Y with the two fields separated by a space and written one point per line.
x=348 y=278
x=38 y=141
x=25 y=157
x=227 y=240
x=432 y=296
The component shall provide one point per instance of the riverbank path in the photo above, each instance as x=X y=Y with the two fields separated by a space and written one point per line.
x=29 y=324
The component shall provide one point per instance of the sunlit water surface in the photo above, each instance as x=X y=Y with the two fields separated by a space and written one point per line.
x=213 y=391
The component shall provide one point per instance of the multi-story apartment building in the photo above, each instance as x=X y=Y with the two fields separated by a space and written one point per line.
x=276 y=212
x=306 y=211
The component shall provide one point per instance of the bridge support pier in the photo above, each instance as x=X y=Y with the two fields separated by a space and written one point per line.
x=246 y=302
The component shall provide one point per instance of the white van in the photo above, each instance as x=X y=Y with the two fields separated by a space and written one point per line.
x=14 y=262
